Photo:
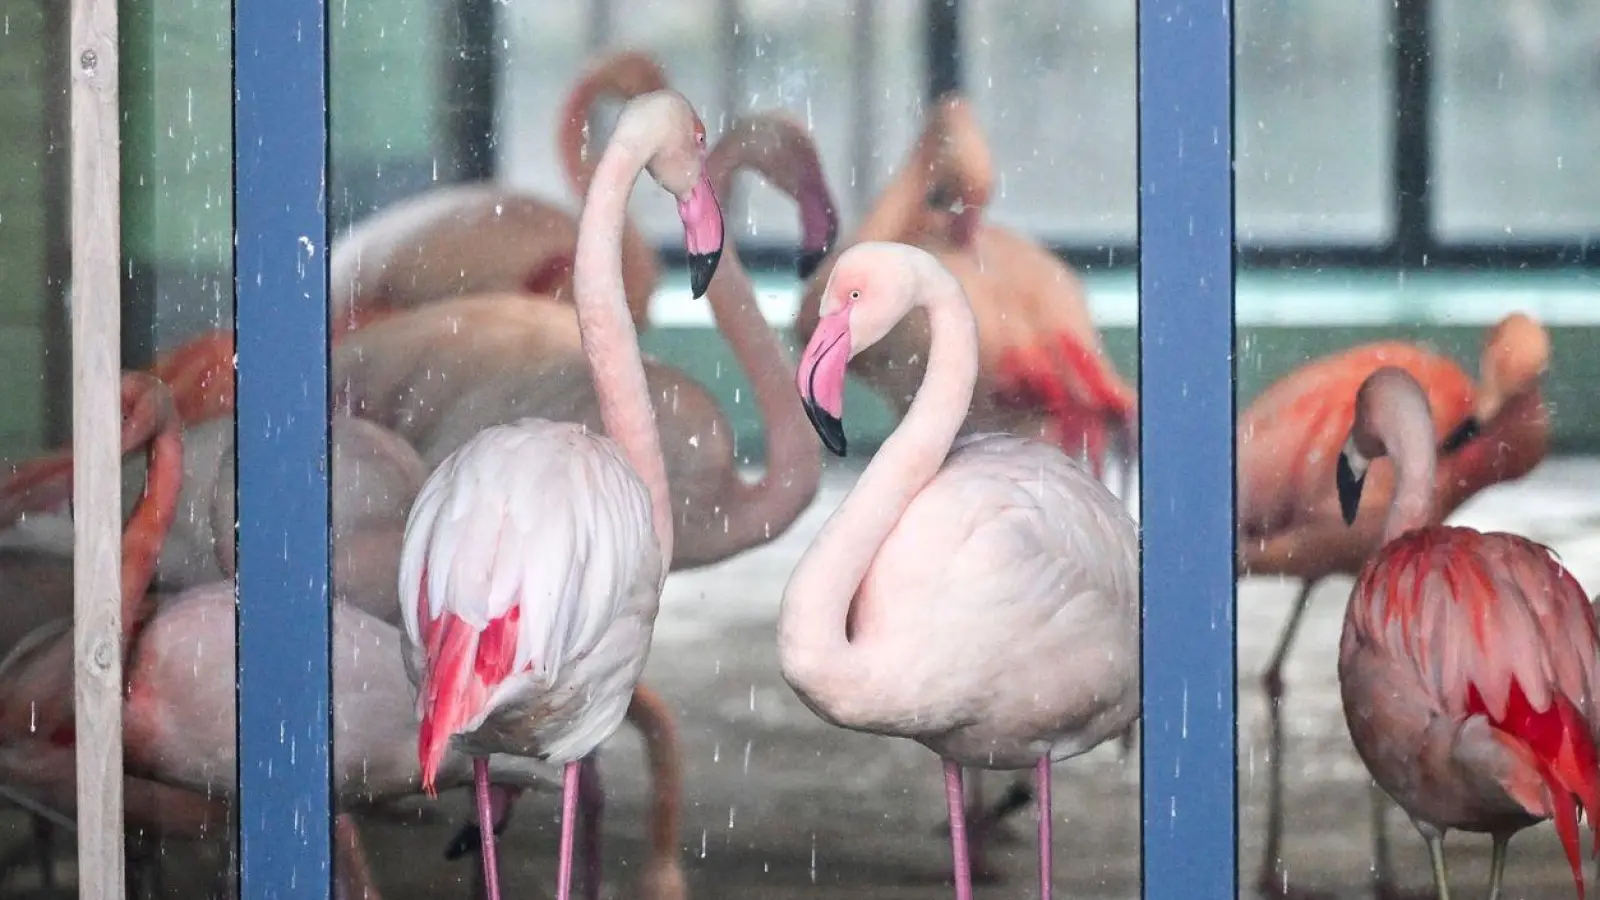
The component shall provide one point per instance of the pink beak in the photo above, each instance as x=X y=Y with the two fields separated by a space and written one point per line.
x=702 y=234
x=820 y=378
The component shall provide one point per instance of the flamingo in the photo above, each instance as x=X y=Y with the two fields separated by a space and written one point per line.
x=716 y=524
x=1022 y=647
x=1290 y=523
x=1043 y=371
x=535 y=651
x=1469 y=665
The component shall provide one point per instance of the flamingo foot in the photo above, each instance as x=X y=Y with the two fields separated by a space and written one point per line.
x=569 y=813
x=480 y=778
x=956 y=798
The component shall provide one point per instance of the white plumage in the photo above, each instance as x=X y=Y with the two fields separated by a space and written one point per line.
x=547 y=520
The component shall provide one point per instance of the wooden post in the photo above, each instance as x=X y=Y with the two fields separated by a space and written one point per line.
x=96 y=440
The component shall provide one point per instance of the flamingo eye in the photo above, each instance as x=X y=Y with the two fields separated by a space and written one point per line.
x=855 y=295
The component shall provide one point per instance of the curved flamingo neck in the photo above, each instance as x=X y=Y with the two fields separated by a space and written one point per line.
x=813 y=616
x=605 y=326
x=757 y=513
x=1398 y=417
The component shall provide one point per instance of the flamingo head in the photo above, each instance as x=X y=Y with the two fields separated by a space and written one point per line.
x=678 y=164
x=1388 y=404
x=1516 y=357
x=871 y=288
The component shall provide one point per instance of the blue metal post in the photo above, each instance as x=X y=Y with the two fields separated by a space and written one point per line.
x=280 y=118
x=1187 y=430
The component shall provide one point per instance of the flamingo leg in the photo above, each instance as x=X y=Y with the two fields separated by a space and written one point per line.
x=1497 y=865
x=1272 y=679
x=1046 y=846
x=480 y=778
x=591 y=803
x=1441 y=877
x=569 y=812
x=955 y=796
x=1382 y=868
x=1272 y=854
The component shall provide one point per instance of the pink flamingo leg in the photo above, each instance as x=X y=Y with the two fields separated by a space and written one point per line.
x=591 y=802
x=480 y=778
x=569 y=812
x=958 y=829
x=1046 y=848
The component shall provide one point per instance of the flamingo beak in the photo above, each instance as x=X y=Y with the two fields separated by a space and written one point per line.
x=1352 y=475
x=702 y=234
x=820 y=378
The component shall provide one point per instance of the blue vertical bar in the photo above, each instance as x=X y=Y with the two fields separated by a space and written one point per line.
x=1187 y=427
x=280 y=119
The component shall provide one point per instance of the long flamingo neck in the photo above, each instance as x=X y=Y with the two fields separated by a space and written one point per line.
x=757 y=513
x=1409 y=439
x=574 y=135
x=609 y=339
x=812 y=619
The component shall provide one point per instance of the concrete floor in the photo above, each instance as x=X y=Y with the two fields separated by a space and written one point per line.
x=779 y=805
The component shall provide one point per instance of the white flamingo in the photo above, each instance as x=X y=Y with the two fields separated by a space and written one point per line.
x=535 y=555
x=1022 y=646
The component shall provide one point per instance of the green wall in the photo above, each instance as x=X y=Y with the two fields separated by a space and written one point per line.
x=25 y=161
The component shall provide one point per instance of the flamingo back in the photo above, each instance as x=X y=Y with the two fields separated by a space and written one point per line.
x=1038 y=573
x=523 y=551
x=1491 y=625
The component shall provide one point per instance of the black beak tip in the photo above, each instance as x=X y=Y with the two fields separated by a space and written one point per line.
x=807 y=262
x=828 y=427
x=1459 y=438
x=702 y=267
x=1349 y=490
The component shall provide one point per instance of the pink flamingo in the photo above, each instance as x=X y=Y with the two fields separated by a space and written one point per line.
x=535 y=651
x=1022 y=646
x=1469 y=666
x=726 y=515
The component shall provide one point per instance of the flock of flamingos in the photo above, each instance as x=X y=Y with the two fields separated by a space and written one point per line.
x=513 y=483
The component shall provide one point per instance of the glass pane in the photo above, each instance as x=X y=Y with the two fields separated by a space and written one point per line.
x=479 y=277
x=1514 y=96
x=1313 y=120
x=1505 y=349
x=177 y=318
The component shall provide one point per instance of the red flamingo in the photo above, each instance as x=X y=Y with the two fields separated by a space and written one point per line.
x=1469 y=666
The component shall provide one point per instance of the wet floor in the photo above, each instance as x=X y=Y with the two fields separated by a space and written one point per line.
x=779 y=805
